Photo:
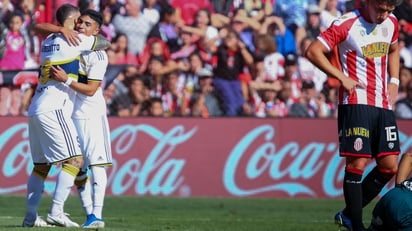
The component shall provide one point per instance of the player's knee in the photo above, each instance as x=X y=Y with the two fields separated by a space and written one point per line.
x=41 y=170
x=76 y=161
x=81 y=179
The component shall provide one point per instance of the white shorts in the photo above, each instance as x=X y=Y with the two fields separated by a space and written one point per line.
x=53 y=137
x=95 y=141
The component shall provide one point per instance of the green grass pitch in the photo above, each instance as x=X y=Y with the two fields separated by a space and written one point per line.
x=192 y=214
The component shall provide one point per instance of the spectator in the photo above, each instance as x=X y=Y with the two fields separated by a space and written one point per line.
x=403 y=109
x=155 y=75
x=273 y=61
x=266 y=101
x=206 y=35
x=231 y=58
x=186 y=10
x=307 y=70
x=134 y=25
x=306 y=106
x=292 y=74
x=119 y=53
x=175 y=103
x=154 y=107
x=405 y=75
x=186 y=48
x=293 y=13
x=246 y=28
x=205 y=101
x=166 y=29
x=10 y=100
x=313 y=26
x=403 y=13
x=107 y=28
x=222 y=12
x=151 y=11
x=329 y=13
x=284 y=37
x=14 y=56
x=156 y=47
x=129 y=104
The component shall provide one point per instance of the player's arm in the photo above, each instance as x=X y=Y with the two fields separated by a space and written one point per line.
x=102 y=43
x=60 y=75
x=317 y=54
x=46 y=28
x=405 y=168
x=393 y=69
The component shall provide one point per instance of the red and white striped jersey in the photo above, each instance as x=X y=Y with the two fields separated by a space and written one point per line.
x=363 y=56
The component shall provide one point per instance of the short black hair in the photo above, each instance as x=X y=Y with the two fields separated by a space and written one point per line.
x=64 y=12
x=95 y=15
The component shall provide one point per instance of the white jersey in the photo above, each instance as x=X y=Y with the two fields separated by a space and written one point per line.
x=363 y=56
x=89 y=113
x=93 y=65
x=52 y=95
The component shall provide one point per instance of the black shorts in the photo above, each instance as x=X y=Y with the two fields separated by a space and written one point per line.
x=367 y=131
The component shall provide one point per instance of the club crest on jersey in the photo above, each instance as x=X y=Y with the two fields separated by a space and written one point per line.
x=358 y=145
x=391 y=145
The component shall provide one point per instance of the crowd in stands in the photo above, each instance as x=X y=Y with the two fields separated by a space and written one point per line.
x=204 y=58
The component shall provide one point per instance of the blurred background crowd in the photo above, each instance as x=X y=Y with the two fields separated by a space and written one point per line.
x=203 y=58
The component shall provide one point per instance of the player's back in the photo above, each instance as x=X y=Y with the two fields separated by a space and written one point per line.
x=55 y=51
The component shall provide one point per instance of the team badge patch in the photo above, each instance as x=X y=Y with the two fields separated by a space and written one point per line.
x=391 y=145
x=358 y=145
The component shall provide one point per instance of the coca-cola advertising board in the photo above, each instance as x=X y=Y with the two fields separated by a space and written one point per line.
x=216 y=157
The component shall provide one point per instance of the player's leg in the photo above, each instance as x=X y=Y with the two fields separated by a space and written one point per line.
x=98 y=151
x=355 y=146
x=35 y=186
x=64 y=148
x=385 y=149
x=35 y=183
x=84 y=190
x=379 y=176
x=352 y=190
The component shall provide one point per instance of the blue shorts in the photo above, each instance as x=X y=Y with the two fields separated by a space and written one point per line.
x=367 y=131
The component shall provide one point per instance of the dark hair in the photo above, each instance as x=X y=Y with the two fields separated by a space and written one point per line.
x=95 y=15
x=391 y=2
x=64 y=12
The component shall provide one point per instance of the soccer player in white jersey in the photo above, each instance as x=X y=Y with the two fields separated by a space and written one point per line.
x=52 y=134
x=367 y=67
x=89 y=116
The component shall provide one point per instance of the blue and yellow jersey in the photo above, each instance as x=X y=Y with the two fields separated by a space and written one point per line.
x=55 y=51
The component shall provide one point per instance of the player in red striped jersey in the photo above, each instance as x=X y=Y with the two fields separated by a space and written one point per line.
x=368 y=73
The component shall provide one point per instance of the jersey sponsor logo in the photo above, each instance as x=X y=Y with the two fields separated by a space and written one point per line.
x=358 y=145
x=375 y=50
x=357 y=131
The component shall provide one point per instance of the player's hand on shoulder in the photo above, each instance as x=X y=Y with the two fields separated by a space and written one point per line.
x=71 y=36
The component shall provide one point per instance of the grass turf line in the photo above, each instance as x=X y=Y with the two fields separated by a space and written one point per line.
x=191 y=214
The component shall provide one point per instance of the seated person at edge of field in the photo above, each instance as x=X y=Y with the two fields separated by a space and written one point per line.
x=393 y=211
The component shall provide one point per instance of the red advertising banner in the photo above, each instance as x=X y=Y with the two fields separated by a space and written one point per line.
x=218 y=157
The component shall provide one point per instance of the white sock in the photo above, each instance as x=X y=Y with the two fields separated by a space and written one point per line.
x=84 y=190
x=99 y=189
x=65 y=181
x=35 y=186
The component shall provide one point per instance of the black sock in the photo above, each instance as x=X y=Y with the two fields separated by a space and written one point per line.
x=373 y=184
x=352 y=190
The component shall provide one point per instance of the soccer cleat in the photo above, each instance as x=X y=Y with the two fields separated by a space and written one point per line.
x=61 y=220
x=342 y=220
x=93 y=222
x=39 y=222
